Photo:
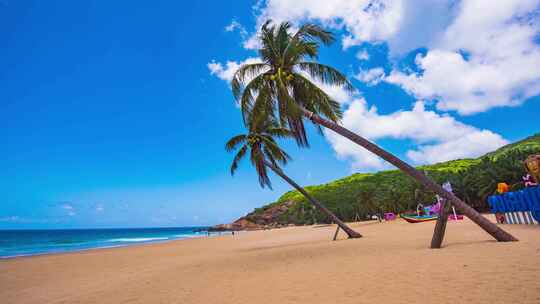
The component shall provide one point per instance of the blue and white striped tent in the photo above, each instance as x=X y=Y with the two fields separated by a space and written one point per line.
x=519 y=207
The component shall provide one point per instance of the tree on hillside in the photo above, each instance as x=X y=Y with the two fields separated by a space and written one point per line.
x=365 y=204
x=508 y=170
x=284 y=86
x=265 y=153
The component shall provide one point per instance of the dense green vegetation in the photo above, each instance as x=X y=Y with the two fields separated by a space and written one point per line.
x=363 y=194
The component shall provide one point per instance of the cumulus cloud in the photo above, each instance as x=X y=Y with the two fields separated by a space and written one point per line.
x=226 y=71
x=371 y=77
x=365 y=20
x=473 y=143
x=401 y=24
x=362 y=55
x=480 y=54
x=482 y=60
x=361 y=159
x=237 y=26
x=439 y=137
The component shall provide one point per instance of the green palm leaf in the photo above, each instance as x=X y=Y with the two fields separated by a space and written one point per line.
x=241 y=153
x=276 y=88
x=234 y=142
x=326 y=74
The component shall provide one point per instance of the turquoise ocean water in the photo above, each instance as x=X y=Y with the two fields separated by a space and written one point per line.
x=32 y=242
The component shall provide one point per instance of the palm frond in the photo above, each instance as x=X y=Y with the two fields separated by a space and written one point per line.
x=248 y=71
x=234 y=142
x=314 y=32
x=296 y=125
x=279 y=132
x=326 y=74
x=246 y=96
x=237 y=158
x=262 y=109
x=274 y=151
x=290 y=114
x=315 y=99
x=298 y=50
x=283 y=37
x=269 y=52
x=257 y=159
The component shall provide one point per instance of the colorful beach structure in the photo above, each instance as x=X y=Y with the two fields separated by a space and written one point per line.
x=389 y=216
x=431 y=212
x=518 y=207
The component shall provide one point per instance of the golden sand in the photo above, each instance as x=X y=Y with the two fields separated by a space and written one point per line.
x=390 y=264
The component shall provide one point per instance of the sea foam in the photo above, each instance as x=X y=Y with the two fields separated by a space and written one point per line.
x=138 y=239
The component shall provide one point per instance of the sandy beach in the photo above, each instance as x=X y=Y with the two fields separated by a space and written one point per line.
x=390 y=264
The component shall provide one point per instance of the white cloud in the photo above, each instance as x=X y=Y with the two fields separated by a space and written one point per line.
x=252 y=43
x=237 y=26
x=404 y=25
x=371 y=77
x=499 y=66
x=226 y=71
x=365 y=20
x=499 y=40
x=360 y=158
x=471 y=144
x=439 y=137
x=362 y=55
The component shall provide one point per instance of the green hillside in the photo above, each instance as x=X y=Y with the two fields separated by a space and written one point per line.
x=363 y=194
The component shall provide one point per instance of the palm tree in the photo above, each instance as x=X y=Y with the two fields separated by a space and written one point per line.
x=280 y=86
x=265 y=153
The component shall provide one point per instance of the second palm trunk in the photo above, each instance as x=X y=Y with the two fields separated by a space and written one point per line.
x=351 y=233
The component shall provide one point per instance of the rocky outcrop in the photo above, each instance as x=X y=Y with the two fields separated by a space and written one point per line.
x=244 y=224
x=268 y=218
x=220 y=227
x=239 y=224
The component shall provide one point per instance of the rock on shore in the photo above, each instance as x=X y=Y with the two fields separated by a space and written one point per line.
x=267 y=219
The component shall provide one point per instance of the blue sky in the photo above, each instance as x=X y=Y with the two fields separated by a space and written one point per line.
x=115 y=114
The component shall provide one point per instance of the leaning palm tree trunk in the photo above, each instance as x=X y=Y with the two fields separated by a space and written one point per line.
x=351 y=233
x=440 y=226
x=498 y=233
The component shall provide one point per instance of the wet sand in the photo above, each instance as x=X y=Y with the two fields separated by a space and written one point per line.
x=390 y=264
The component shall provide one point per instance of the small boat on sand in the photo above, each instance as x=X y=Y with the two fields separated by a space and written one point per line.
x=413 y=218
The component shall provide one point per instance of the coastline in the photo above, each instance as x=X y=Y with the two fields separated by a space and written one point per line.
x=47 y=242
x=69 y=251
x=391 y=263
